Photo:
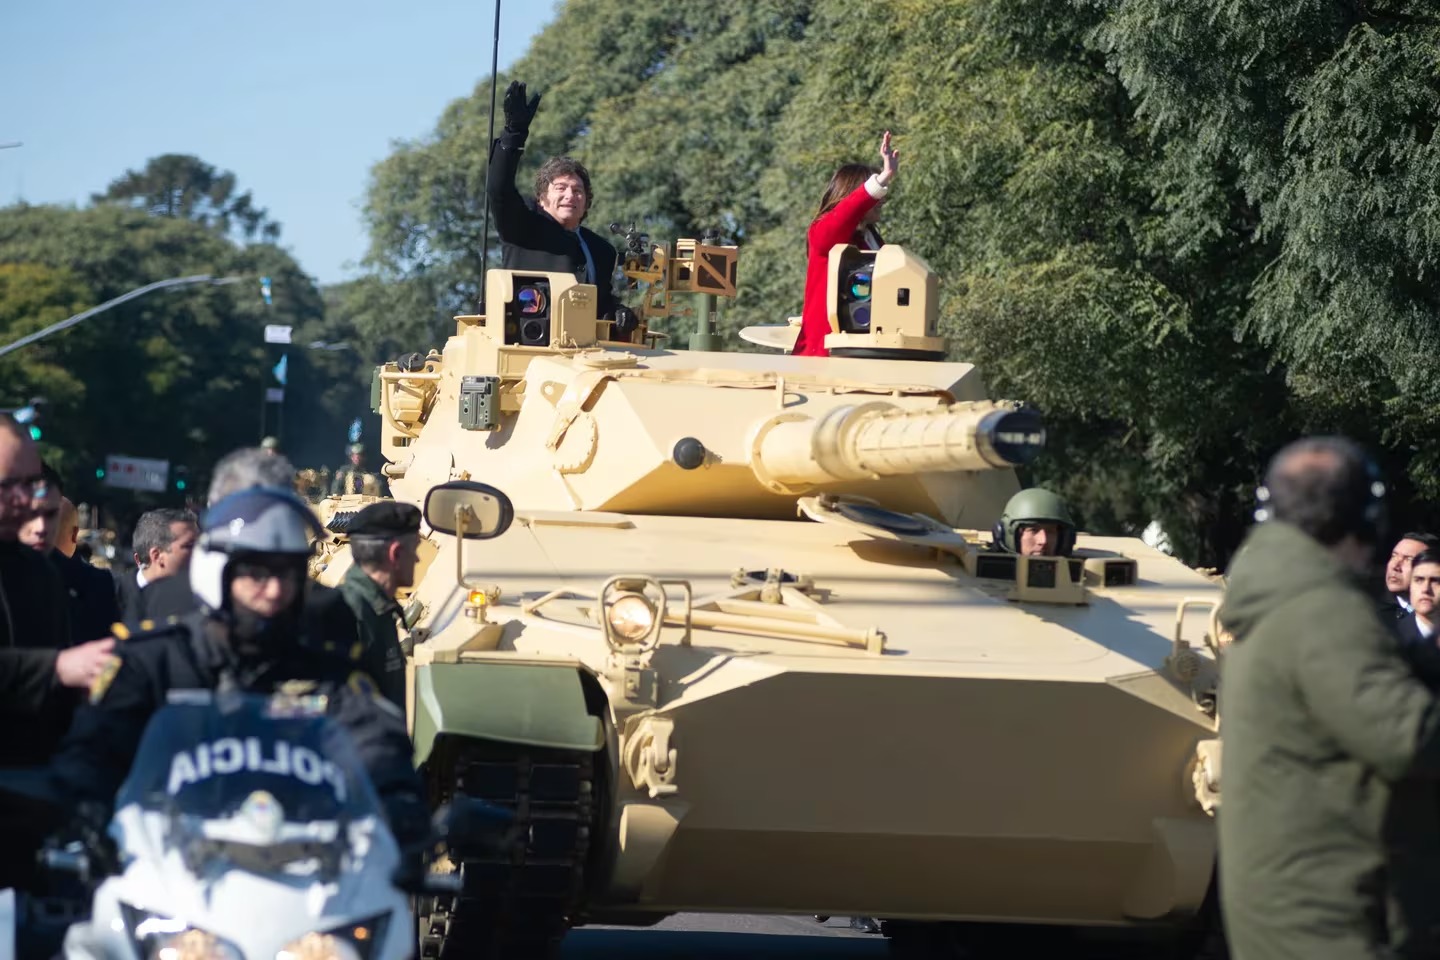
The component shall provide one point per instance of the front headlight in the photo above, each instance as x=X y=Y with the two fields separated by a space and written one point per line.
x=349 y=941
x=158 y=937
x=631 y=616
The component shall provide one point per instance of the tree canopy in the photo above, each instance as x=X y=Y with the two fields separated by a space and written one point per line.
x=177 y=375
x=179 y=185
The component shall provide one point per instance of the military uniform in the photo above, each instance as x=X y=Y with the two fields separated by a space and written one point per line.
x=378 y=616
x=195 y=653
x=376 y=612
x=355 y=479
x=351 y=479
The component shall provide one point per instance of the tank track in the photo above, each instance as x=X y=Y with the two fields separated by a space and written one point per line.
x=516 y=906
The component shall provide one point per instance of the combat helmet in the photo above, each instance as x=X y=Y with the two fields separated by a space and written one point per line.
x=1032 y=506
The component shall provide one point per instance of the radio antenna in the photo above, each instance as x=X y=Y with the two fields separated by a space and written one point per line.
x=485 y=230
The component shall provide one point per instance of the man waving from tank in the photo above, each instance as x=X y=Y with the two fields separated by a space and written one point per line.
x=544 y=233
x=1035 y=523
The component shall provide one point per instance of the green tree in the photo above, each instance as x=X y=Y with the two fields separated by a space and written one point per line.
x=1316 y=120
x=184 y=186
x=164 y=376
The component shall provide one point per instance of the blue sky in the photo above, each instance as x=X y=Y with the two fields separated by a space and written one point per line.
x=298 y=99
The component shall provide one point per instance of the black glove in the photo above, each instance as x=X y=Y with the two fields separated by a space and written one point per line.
x=518 y=113
x=625 y=321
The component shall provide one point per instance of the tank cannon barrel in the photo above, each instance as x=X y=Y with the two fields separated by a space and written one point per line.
x=877 y=439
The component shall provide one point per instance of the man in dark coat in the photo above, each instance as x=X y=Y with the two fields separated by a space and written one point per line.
x=543 y=232
x=1323 y=721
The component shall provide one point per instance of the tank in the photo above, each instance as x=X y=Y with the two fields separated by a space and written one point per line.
x=748 y=646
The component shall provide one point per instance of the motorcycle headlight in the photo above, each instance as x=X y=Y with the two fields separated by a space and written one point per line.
x=158 y=937
x=350 y=941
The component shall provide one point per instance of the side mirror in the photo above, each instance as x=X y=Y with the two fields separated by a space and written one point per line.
x=470 y=510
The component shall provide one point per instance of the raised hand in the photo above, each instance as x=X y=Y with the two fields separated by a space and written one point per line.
x=889 y=160
x=519 y=113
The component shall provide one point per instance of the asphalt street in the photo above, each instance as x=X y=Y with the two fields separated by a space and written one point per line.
x=727 y=936
x=696 y=936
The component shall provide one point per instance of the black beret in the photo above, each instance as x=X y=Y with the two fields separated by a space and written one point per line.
x=385 y=519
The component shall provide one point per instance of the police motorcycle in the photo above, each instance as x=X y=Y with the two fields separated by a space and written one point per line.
x=248 y=828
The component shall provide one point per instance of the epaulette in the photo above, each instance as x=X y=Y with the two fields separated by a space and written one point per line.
x=105 y=677
x=145 y=628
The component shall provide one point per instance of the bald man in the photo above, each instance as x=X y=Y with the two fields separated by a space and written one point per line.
x=91 y=592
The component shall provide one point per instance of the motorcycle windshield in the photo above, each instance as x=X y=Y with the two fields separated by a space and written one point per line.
x=256 y=763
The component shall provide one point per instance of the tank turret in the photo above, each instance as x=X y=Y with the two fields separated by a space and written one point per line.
x=537 y=394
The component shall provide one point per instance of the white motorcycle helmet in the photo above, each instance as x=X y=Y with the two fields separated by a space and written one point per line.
x=263 y=520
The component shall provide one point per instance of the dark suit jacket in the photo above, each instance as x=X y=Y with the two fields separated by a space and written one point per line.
x=34 y=625
x=1389 y=608
x=531 y=239
x=167 y=597
x=127 y=594
x=92 y=598
x=1408 y=631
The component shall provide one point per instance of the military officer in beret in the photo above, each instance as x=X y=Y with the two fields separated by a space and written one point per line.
x=383 y=538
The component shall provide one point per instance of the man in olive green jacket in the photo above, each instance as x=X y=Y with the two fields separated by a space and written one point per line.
x=383 y=540
x=1322 y=719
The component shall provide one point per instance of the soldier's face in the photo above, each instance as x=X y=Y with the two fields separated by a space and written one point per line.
x=405 y=559
x=1039 y=540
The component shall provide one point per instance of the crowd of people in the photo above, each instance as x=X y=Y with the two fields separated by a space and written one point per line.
x=222 y=599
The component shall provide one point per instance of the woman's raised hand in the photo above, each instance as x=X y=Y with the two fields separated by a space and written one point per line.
x=889 y=160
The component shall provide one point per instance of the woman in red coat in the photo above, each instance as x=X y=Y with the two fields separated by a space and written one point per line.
x=848 y=212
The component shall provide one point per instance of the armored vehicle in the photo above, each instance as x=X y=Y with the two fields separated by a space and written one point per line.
x=748 y=645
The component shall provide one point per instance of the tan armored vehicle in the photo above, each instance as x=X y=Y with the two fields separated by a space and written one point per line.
x=747 y=645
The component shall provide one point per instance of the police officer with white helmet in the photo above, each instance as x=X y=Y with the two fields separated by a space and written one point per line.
x=248 y=572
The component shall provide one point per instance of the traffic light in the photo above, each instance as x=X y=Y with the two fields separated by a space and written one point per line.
x=34 y=432
x=182 y=478
x=99 y=473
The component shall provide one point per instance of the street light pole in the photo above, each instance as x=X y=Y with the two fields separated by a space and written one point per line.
x=25 y=341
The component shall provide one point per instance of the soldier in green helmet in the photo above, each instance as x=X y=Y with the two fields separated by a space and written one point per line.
x=1036 y=523
x=354 y=478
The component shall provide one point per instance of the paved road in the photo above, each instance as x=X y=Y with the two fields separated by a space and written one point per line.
x=727 y=937
x=695 y=936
